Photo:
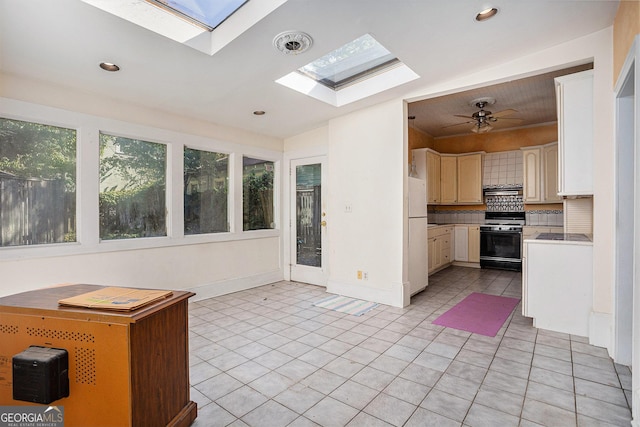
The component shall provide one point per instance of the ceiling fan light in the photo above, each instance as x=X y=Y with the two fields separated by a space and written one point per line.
x=486 y=14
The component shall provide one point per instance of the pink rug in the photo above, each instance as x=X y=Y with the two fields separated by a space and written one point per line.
x=479 y=313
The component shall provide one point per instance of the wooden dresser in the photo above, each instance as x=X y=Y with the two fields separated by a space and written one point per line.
x=125 y=368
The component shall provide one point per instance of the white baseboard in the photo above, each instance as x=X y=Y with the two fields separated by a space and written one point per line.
x=601 y=330
x=466 y=264
x=234 y=285
x=393 y=295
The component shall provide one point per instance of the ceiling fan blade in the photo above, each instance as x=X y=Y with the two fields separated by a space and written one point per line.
x=458 y=124
x=464 y=117
x=482 y=129
x=504 y=113
x=504 y=119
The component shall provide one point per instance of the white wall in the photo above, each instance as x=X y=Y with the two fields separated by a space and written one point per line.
x=367 y=173
x=210 y=265
x=209 y=269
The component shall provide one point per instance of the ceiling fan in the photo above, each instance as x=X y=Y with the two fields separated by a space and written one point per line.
x=482 y=119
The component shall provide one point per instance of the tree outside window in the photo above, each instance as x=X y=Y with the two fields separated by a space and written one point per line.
x=257 y=194
x=37 y=183
x=132 y=188
x=206 y=189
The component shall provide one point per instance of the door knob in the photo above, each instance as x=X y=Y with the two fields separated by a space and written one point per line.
x=323 y=223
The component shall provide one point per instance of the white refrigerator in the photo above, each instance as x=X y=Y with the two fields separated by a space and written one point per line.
x=418 y=262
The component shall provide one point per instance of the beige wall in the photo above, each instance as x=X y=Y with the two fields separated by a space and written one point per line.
x=419 y=139
x=625 y=28
x=498 y=141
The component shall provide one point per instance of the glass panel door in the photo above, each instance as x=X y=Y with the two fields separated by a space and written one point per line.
x=308 y=221
x=309 y=215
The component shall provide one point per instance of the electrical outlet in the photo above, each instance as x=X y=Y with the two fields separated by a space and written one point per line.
x=348 y=208
x=365 y=275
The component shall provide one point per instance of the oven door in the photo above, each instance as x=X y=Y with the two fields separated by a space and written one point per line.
x=501 y=249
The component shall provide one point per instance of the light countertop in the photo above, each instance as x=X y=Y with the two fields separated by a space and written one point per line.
x=561 y=238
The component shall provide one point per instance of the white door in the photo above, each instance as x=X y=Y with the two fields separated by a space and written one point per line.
x=309 y=221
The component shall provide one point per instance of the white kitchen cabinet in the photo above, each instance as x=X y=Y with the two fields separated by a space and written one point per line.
x=461 y=245
x=467 y=243
x=448 y=179
x=470 y=178
x=574 y=97
x=557 y=285
x=540 y=174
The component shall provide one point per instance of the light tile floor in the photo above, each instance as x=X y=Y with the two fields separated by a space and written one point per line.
x=267 y=357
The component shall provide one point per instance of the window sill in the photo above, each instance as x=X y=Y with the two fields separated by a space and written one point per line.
x=78 y=248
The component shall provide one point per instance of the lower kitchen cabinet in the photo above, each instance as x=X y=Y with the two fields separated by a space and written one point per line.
x=474 y=243
x=467 y=243
x=439 y=247
x=461 y=240
x=557 y=289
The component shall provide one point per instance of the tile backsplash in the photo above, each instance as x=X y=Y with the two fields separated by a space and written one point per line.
x=546 y=217
x=503 y=168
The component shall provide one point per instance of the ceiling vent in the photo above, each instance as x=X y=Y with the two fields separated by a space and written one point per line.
x=292 y=42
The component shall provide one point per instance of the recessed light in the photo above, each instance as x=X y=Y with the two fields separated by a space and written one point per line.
x=108 y=66
x=259 y=113
x=486 y=14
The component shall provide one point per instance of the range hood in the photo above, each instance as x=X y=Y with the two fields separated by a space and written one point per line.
x=503 y=191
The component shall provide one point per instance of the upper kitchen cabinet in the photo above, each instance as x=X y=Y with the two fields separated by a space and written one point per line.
x=433 y=177
x=540 y=174
x=470 y=178
x=574 y=96
x=448 y=179
x=452 y=179
x=427 y=165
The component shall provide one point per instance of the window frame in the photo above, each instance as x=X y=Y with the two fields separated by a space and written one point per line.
x=230 y=207
x=276 y=184
x=54 y=122
x=166 y=186
x=88 y=128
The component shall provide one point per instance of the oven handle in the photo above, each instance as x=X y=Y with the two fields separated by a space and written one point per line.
x=495 y=258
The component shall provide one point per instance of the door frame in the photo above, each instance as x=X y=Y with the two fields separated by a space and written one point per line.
x=311 y=275
x=627 y=265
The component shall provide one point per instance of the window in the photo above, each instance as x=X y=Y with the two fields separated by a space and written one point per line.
x=37 y=183
x=206 y=13
x=350 y=62
x=206 y=190
x=132 y=188
x=257 y=194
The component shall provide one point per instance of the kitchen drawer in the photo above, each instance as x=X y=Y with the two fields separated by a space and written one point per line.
x=438 y=231
x=446 y=242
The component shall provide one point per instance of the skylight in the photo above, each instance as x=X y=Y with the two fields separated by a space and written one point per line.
x=356 y=70
x=206 y=13
x=350 y=62
x=191 y=22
